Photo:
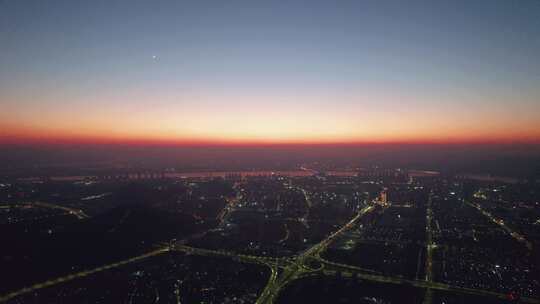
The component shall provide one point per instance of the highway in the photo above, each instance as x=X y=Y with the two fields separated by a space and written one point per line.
x=306 y=197
x=268 y=261
x=429 y=241
x=231 y=204
x=304 y=218
x=177 y=292
x=287 y=234
x=518 y=237
x=293 y=268
x=320 y=247
x=76 y=212
x=430 y=246
x=77 y=275
x=298 y=266
x=349 y=271
x=273 y=263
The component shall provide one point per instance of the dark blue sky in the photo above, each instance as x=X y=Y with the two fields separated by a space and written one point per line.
x=448 y=66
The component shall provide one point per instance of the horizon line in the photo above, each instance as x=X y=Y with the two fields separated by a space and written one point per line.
x=112 y=141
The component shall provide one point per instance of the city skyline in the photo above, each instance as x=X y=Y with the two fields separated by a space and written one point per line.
x=270 y=152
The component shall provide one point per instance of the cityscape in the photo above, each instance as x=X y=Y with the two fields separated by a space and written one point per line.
x=269 y=152
x=368 y=235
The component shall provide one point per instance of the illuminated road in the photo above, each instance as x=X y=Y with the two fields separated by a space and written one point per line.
x=77 y=275
x=231 y=204
x=177 y=291
x=430 y=246
x=520 y=238
x=349 y=271
x=293 y=268
x=304 y=218
x=306 y=197
x=268 y=261
x=76 y=212
x=273 y=263
x=299 y=267
x=287 y=234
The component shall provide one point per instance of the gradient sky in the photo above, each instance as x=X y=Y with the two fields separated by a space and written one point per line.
x=270 y=71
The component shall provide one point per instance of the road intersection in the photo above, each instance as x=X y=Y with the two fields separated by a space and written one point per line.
x=284 y=270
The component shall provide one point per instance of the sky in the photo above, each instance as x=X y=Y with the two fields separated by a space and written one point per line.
x=270 y=71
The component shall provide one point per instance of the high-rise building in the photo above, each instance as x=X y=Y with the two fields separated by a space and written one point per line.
x=383 y=197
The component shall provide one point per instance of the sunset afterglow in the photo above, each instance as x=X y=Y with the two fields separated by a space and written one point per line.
x=270 y=152
x=355 y=73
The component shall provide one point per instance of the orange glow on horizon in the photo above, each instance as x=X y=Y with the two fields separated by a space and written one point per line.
x=236 y=119
x=40 y=137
